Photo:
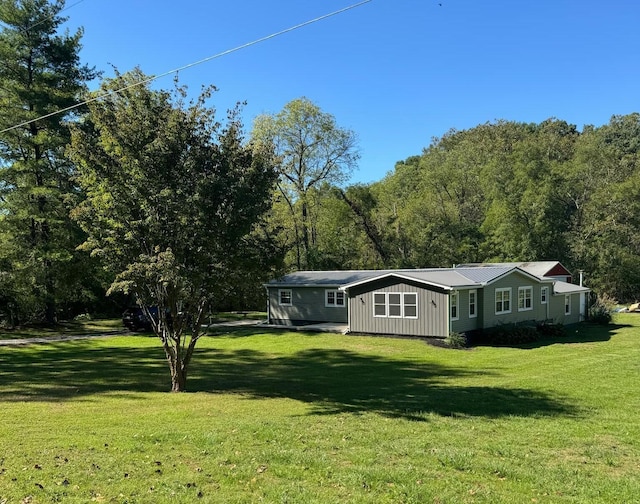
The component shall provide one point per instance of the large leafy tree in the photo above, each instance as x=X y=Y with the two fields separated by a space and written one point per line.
x=172 y=196
x=311 y=150
x=40 y=73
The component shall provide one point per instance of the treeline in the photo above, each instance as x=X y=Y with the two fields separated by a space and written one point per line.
x=503 y=191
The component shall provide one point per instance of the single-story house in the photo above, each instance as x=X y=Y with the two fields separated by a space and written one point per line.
x=426 y=302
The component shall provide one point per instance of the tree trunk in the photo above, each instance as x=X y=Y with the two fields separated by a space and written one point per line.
x=178 y=378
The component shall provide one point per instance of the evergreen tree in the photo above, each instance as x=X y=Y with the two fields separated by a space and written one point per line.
x=40 y=73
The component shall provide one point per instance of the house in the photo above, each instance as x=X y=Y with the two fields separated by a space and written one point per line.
x=426 y=302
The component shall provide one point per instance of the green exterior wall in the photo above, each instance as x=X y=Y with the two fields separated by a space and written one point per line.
x=307 y=304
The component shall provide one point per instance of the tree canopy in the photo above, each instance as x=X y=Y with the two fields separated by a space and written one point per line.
x=310 y=150
x=171 y=198
x=40 y=73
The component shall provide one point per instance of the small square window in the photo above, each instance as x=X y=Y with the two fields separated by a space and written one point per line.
x=285 y=297
x=334 y=298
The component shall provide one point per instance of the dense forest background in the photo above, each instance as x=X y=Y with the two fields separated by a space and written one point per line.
x=502 y=191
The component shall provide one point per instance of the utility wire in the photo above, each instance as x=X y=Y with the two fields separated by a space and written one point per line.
x=199 y=62
x=47 y=18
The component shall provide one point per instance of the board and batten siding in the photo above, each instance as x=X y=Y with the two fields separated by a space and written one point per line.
x=513 y=281
x=307 y=304
x=432 y=309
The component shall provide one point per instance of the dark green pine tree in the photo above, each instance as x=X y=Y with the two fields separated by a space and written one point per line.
x=40 y=73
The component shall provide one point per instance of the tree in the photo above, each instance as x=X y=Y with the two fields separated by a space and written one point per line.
x=310 y=150
x=40 y=73
x=171 y=198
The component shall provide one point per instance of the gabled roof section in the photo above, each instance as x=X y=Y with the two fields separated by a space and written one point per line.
x=539 y=269
x=448 y=279
x=328 y=278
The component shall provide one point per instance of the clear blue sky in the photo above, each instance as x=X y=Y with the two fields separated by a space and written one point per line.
x=397 y=72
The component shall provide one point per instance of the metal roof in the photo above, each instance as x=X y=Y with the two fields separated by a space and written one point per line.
x=444 y=277
x=560 y=287
x=536 y=268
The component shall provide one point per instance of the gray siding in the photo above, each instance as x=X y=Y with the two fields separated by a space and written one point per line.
x=514 y=281
x=465 y=322
x=307 y=304
x=557 y=309
x=432 y=311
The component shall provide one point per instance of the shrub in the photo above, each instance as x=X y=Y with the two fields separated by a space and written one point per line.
x=512 y=335
x=456 y=340
x=550 y=329
x=599 y=312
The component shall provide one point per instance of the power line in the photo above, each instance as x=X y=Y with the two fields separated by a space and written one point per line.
x=47 y=18
x=185 y=67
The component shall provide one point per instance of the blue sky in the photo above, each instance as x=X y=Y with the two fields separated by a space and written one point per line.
x=397 y=72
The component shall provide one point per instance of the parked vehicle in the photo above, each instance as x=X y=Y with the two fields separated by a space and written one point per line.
x=135 y=319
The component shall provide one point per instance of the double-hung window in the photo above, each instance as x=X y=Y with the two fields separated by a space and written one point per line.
x=334 y=298
x=525 y=298
x=380 y=304
x=284 y=297
x=503 y=300
x=394 y=301
x=410 y=304
x=473 y=303
x=544 y=293
x=453 y=300
x=567 y=304
x=395 y=304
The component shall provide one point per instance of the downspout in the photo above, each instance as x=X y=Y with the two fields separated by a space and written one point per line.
x=268 y=305
x=346 y=292
x=449 y=313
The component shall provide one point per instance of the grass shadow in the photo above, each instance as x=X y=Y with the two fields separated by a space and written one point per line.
x=329 y=380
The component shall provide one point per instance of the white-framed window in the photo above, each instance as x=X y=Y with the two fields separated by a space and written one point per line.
x=503 y=300
x=567 y=304
x=379 y=304
x=453 y=303
x=544 y=294
x=395 y=304
x=410 y=304
x=525 y=298
x=394 y=300
x=334 y=298
x=284 y=297
x=473 y=303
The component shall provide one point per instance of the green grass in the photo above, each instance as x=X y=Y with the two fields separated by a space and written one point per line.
x=313 y=418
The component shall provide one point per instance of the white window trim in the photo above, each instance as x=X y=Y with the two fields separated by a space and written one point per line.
x=475 y=303
x=404 y=304
x=389 y=305
x=495 y=301
x=456 y=296
x=402 y=295
x=567 y=304
x=526 y=288
x=280 y=291
x=336 y=293
x=378 y=304
x=544 y=295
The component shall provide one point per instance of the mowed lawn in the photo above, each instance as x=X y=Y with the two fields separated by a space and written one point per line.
x=317 y=418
